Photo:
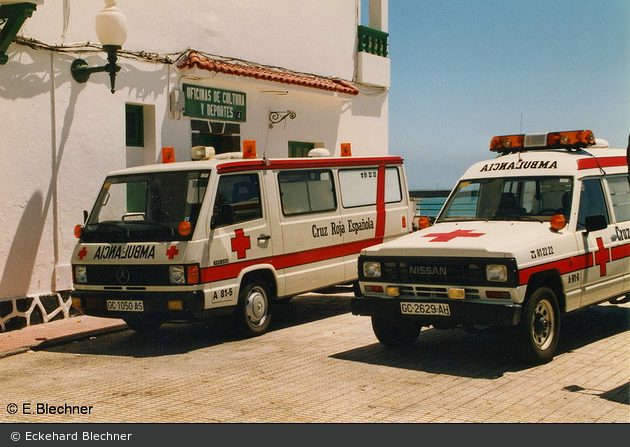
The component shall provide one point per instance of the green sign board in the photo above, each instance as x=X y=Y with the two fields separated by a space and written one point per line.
x=214 y=103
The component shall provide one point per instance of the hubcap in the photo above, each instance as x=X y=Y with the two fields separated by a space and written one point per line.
x=543 y=324
x=256 y=307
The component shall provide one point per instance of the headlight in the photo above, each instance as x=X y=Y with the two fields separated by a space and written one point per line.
x=496 y=273
x=176 y=274
x=80 y=274
x=372 y=269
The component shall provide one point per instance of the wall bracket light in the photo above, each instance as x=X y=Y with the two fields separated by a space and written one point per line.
x=111 y=29
x=279 y=116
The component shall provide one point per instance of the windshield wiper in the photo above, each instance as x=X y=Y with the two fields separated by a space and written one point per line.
x=150 y=223
x=109 y=224
x=516 y=217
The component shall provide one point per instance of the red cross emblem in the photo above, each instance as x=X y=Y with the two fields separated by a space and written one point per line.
x=446 y=237
x=172 y=252
x=240 y=244
x=602 y=256
x=82 y=253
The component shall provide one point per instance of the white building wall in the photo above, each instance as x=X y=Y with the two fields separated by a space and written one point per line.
x=59 y=138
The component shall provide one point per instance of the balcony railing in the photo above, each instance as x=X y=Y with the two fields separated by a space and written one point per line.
x=372 y=41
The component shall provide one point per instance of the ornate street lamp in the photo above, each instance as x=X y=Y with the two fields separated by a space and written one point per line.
x=111 y=29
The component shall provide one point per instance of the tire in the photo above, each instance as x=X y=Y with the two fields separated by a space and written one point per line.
x=539 y=328
x=253 y=312
x=143 y=324
x=356 y=289
x=396 y=332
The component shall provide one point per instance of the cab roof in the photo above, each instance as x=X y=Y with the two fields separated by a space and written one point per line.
x=235 y=163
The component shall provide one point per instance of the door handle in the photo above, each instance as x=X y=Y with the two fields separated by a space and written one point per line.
x=264 y=237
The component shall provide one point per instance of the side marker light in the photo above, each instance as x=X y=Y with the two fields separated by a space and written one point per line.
x=168 y=154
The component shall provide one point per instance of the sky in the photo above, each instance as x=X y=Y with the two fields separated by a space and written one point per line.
x=463 y=71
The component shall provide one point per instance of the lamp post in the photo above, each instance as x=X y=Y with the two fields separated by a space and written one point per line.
x=111 y=29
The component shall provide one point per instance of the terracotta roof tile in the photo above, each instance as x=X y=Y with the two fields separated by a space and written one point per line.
x=197 y=60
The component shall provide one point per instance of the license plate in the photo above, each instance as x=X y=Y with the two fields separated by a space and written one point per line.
x=125 y=305
x=425 y=309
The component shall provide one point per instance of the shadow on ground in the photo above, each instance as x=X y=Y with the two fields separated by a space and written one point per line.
x=179 y=338
x=489 y=354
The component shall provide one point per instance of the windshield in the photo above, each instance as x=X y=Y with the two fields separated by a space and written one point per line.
x=146 y=207
x=512 y=198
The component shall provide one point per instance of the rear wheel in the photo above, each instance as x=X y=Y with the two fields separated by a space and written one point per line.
x=395 y=332
x=253 y=313
x=539 y=328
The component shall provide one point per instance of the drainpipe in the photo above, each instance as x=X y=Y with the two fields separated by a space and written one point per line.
x=54 y=167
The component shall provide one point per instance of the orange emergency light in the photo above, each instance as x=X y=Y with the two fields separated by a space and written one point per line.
x=249 y=148
x=346 y=150
x=574 y=139
x=558 y=222
x=168 y=154
x=424 y=222
x=184 y=228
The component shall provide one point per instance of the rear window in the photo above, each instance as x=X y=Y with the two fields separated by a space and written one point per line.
x=358 y=186
x=620 y=192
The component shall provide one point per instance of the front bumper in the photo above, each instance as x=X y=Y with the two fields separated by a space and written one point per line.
x=463 y=313
x=155 y=304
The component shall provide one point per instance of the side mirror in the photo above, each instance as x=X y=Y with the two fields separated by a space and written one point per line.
x=595 y=222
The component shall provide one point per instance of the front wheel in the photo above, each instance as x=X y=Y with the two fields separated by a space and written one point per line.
x=143 y=324
x=395 y=332
x=539 y=328
x=253 y=313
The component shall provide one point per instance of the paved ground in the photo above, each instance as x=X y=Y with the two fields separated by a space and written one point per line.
x=55 y=332
x=318 y=364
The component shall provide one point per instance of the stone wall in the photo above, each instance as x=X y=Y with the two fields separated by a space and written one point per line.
x=16 y=313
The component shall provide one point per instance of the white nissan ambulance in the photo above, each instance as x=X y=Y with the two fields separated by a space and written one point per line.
x=539 y=231
x=231 y=233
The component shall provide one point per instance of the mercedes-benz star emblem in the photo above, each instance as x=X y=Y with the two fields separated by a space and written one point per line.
x=122 y=275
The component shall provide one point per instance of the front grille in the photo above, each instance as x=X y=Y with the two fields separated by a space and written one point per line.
x=135 y=275
x=447 y=271
x=435 y=292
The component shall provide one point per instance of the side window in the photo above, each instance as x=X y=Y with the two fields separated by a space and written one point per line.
x=620 y=191
x=358 y=186
x=237 y=200
x=393 y=190
x=306 y=191
x=591 y=202
x=465 y=202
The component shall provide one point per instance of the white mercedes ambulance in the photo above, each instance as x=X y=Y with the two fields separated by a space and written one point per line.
x=539 y=231
x=231 y=233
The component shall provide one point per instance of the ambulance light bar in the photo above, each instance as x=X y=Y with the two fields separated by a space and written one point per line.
x=574 y=139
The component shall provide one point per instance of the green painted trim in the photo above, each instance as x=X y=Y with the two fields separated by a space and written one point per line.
x=372 y=41
x=13 y=16
x=300 y=148
x=134 y=119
